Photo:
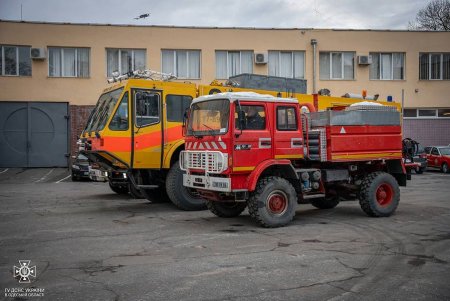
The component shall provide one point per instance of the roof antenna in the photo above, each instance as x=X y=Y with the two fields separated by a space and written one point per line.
x=21 y=19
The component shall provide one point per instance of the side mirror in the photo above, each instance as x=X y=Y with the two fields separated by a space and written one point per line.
x=185 y=121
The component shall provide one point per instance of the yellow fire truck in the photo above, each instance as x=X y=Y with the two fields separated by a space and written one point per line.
x=135 y=132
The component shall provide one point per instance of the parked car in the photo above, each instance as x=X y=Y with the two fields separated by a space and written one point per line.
x=80 y=167
x=438 y=157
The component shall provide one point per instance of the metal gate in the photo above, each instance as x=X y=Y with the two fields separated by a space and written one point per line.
x=33 y=134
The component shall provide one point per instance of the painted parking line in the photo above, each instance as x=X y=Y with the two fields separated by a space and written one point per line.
x=45 y=176
x=4 y=171
x=63 y=179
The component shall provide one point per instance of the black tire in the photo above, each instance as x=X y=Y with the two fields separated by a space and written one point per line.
x=445 y=168
x=181 y=196
x=273 y=203
x=326 y=202
x=419 y=170
x=135 y=192
x=379 y=194
x=214 y=91
x=75 y=178
x=156 y=195
x=118 y=188
x=226 y=209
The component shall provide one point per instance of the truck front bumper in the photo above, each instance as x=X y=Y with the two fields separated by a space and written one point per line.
x=207 y=182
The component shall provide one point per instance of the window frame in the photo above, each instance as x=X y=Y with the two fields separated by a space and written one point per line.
x=227 y=59
x=330 y=65
x=287 y=129
x=3 y=65
x=175 y=53
x=167 y=110
x=119 y=56
x=292 y=53
x=61 y=49
x=391 y=54
x=125 y=94
x=441 y=66
x=133 y=92
x=435 y=116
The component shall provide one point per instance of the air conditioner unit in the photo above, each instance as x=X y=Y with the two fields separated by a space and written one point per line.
x=364 y=59
x=261 y=58
x=37 y=53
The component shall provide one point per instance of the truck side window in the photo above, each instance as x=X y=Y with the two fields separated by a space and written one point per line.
x=286 y=119
x=176 y=106
x=435 y=152
x=119 y=122
x=147 y=107
x=255 y=118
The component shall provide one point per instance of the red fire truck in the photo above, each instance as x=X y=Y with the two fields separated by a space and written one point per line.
x=267 y=154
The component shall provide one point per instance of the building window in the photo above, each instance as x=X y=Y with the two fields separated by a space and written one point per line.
x=230 y=63
x=68 y=62
x=181 y=63
x=124 y=60
x=434 y=66
x=15 y=60
x=387 y=66
x=409 y=113
x=337 y=65
x=287 y=64
x=427 y=113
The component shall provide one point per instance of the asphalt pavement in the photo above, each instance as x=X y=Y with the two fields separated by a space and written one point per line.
x=88 y=243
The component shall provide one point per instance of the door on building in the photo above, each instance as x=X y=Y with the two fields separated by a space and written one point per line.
x=34 y=134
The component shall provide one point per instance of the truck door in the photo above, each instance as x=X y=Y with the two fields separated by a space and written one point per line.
x=287 y=133
x=147 y=128
x=433 y=157
x=253 y=143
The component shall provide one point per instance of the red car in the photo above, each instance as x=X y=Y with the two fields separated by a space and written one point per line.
x=438 y=157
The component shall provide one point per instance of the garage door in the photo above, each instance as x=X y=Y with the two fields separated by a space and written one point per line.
x=33 y=134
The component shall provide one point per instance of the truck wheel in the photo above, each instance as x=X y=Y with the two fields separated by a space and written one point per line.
x=379 y=194
x=445 y=168
x=155 y=195
x=183 y=197
x=273 y=203
x=135 y=192
x=226 y=209
x=118 y=189
x=326 y=202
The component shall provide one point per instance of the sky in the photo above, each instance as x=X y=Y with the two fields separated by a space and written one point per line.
x=354 y=14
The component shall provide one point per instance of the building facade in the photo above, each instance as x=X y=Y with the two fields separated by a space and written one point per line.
x=73 y=61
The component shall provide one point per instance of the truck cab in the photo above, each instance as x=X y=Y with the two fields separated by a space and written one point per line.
x=246 y=149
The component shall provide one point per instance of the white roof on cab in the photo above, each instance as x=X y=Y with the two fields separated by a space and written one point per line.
x=245 y=96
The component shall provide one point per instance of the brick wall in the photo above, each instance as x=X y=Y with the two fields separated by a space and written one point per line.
x=427 y=131
x=78 y=118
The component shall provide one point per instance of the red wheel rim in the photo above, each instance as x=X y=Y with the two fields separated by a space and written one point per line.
x=277 y=202
x=384 y=195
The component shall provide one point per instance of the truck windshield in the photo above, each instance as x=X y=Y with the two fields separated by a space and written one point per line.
x=103 y=110
x=209 y=117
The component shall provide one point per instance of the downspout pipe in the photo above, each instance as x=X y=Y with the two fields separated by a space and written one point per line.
x=314 y=45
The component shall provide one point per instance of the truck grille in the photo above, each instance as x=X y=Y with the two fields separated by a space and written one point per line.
x=210 y=162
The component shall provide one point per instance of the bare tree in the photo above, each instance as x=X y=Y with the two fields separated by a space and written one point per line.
x=434 y=16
